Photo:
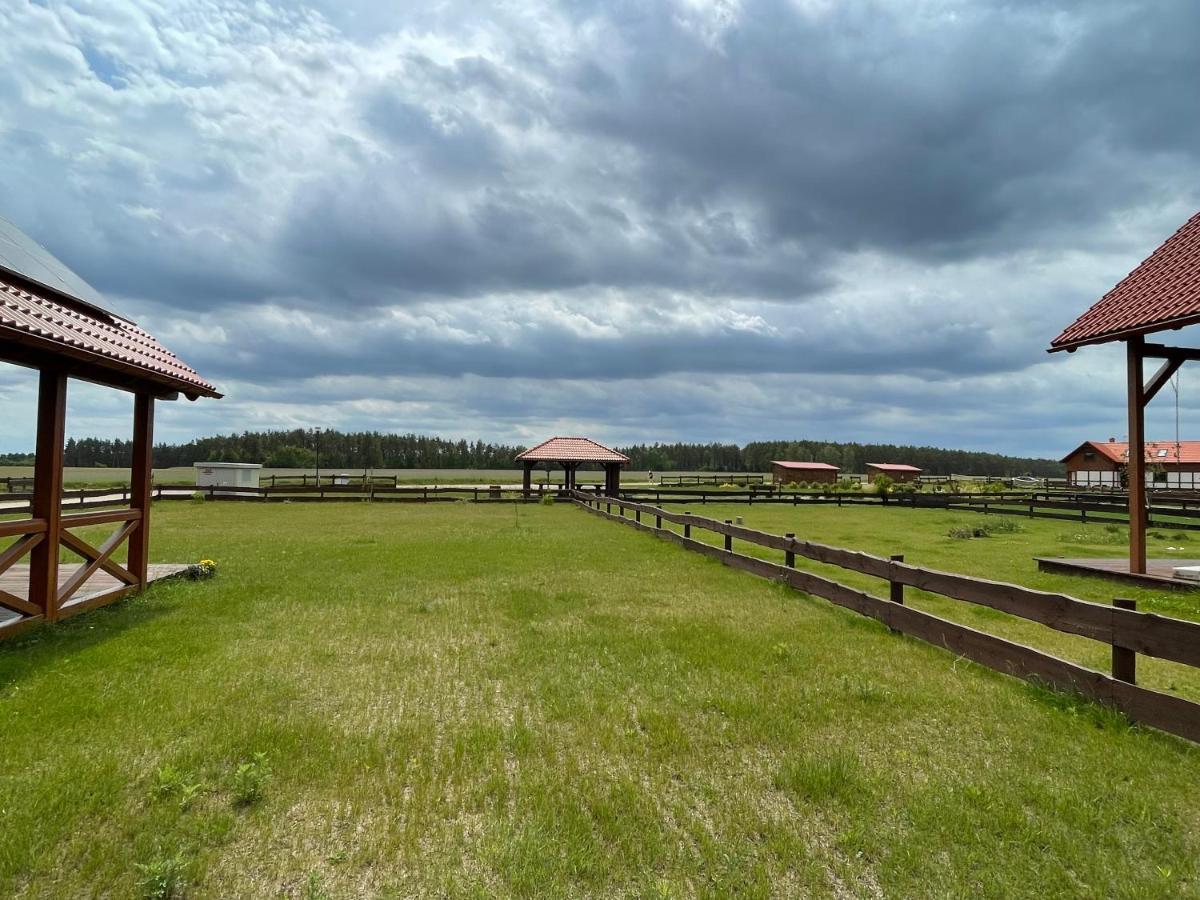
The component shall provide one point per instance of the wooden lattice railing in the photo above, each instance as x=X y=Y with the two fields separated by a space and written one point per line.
x=28 y=533
x=96 y=558
x=18 y=612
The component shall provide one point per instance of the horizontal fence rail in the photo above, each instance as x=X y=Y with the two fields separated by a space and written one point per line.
x=1128 y=631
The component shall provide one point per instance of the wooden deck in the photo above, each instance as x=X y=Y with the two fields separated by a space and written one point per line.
x=1158 y=571
x=16 y=581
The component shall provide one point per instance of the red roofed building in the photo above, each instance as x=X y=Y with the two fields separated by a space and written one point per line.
x=802 y=472
x=1104 y=464
x=895 y=471
x=571 y=453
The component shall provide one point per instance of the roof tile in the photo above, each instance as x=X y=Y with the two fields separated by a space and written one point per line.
x=572 y=449
x=110 y=338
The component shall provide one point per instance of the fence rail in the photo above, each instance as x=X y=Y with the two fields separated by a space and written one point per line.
x=1128 y=631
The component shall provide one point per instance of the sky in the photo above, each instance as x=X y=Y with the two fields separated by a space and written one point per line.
x=698 y=220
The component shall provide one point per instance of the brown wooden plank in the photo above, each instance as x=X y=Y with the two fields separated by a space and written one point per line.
x=17 y=550
x=18 y=605
x=22 y=526
x=94 y=600
x=82 y=520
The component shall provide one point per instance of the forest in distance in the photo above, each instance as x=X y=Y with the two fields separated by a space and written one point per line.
x=306 y=448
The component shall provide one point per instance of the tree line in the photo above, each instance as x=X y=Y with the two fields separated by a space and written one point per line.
x=306 y=448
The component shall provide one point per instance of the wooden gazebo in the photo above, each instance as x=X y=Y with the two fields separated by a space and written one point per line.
x=1161 y=294
x=571 y=453
x=53 y=321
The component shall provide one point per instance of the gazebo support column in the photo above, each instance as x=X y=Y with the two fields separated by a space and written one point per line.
x=527 y=479
x=141 y=488
x=47 y=490
x=1136 y=468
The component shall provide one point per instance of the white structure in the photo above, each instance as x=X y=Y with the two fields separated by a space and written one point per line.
x=226 y=474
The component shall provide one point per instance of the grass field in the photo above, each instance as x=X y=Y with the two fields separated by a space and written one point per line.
x=459 y=700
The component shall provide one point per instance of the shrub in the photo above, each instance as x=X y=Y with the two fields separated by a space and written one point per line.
x=548 y=500
x=161 y=879
x=883 y=485
x=250 y=780
x=961 y=533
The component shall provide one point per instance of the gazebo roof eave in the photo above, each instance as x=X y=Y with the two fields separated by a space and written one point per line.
x=35 y=353
x=1126 y=333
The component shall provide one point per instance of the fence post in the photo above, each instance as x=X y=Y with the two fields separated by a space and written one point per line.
x=687 y=526
x=637 y=515
x=1124 y=660
x=658 y=521
x=608 y=508
x=897 y=589
x=729 y=538
x=789 y=556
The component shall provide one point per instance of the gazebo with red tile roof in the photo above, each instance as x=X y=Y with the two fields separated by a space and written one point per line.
x=1161 y=294
x=53 y=321
x=571 y=453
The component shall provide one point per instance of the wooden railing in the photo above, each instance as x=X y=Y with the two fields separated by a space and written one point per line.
x=21 y=611
x=1128 y=631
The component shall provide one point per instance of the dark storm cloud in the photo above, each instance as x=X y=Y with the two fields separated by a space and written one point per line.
x=687 y=194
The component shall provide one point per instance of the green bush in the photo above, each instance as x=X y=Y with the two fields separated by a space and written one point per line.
x=547 y=500
x=161 y=879
x=250 y=780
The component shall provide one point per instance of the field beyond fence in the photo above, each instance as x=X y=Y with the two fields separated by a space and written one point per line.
x=1127 y=631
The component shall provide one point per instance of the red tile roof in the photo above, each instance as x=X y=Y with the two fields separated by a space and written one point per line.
x=1163 y=292
x=893 y=467
x=572 y=449
x=805 y=465
x=1160 y=452
x=42 y=321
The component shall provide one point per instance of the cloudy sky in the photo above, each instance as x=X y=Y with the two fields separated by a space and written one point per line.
x=682 y=220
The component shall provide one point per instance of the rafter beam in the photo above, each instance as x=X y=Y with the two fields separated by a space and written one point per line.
x=1160 y=378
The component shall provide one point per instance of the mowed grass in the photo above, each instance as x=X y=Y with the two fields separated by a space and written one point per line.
x=923 y=537
x=459 y=700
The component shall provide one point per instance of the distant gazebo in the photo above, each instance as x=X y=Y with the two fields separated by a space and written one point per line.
x=53 y=321
x=571 y=453
x=1161 y=294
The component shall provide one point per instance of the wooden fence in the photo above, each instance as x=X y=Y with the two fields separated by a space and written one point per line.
x=1127 y=631
x=729 y=478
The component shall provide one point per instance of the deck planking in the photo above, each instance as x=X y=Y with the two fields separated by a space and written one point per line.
x=16 y=581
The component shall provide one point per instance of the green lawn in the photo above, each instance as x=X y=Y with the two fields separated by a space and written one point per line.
x=485 y=701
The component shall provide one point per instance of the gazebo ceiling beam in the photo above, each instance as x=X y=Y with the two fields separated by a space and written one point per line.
x=1162 y=351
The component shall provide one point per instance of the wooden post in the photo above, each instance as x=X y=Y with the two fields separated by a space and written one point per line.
x=789 y=556
x=728 y=538
x=141 y=485
x=1136 y=467
x=687 y=526
x=526 y=478
x=47 y=490
x=658 y=521
x=1124 y=660
x=897 y=589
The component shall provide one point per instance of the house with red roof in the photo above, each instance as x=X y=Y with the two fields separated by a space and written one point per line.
x=1103 y=464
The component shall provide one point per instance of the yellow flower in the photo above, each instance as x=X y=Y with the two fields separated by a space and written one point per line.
x=208 y=562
